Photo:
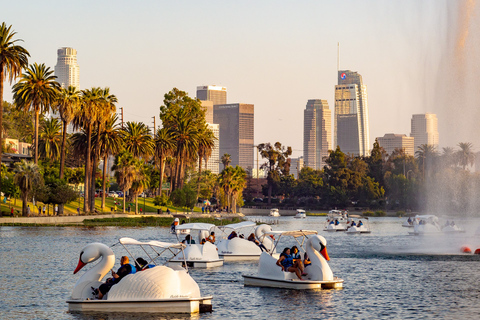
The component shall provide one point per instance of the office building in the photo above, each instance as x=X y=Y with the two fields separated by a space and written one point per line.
x=216 y=94
x=208 y=106
x=236 y=132
x=67 y=70
x=213 y=161
x=390 y=141
x=317 y=133
x=351 y=126
x=424 y=130
x=296 y=166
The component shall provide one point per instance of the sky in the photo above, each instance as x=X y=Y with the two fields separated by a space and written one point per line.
x=273 y=54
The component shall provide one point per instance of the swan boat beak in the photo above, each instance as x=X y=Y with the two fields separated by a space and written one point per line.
x=80 y=265
x=325 y=253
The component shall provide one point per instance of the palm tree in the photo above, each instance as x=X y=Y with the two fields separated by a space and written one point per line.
x=426 y=154
x=68 y=100
x=126 y=170
x=37 y=91
x=226 y=160
x=465 y=155
x=238 y=184
x=13 y=58
x=85 y=118
x=141 y=181
x=206 y=143
x=111 y=143
x=138 y=140
x=49 y=144
x=27 y=174
x=164 y=147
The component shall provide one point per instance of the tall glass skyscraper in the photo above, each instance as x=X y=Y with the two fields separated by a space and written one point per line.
x=317 y=133
x=424 y=130
x=352 y=131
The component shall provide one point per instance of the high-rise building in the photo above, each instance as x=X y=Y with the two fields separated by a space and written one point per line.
x=236 y=132
x=214 y=160
x=317 y=133
x=424 y=129
x=391 y=141
x=296 y=166
x=216 y=94
x=67 y=70
x=352 y=131
x=208 y=106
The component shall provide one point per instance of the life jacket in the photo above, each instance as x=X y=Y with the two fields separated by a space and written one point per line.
x=133 y=269
x=287 y=261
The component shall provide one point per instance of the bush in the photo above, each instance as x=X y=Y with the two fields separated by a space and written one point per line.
x=368 y=213
x=400 y=213
x=162 y=200
x=185 y=197
x=380 y=213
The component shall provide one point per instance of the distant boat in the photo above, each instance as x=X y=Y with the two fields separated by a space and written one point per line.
x=300 y=214
x=274 y=213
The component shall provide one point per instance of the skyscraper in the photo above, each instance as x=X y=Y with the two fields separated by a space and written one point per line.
x=67 y=70
x=391 y=141
x=216 y=94
x=317 y=133
x=352 y=132
x=236 y=132
x=424 y=129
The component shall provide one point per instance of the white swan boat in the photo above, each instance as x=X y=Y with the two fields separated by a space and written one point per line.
x=159 y=289
x=238 y=248
x=319 y=275
x=428 y=224
x=274 y=212
x=301 y=214
x=408 y=223
x=197 y=255
x=357 y=225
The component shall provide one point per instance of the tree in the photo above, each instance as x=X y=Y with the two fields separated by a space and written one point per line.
x=426 y=155
x=141 y=181
x=27 y=175
x=137 y=140
x=206 y=143
x=277 y=163
x=126 y=171
x=226 y=160
x=465 y=155
x=49 y=144
x=37 y=91
x=13 y=58
x=164 y=147
x=111 y=143
x=67 y=103
x=232 y=181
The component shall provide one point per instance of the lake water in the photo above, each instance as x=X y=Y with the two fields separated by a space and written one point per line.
x=388 y=275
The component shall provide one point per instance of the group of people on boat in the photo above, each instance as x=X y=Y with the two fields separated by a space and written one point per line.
x=449 y=224
x=291 y=260
x=125 y=269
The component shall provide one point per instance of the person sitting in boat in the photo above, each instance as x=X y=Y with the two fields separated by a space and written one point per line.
x=297 y=258
x=241 y=236
x=306 y=260
x=232 y=235
x=211 y=237
x=286 y=263
x=188 y=240
x=353 y=224
x=142 y=264
x=203 y=241
x=409 y=220
x=360 y=223
x=125 y=269
x=251 y=237
x=452 y=223
x=332 y=222
x=447 y=224
x=337 y=222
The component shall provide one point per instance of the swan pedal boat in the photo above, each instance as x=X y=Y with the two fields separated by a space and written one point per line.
x=319 y=274
x=301 y=214
x=274 y=213
x=159 y=289
x=241 y=248
x=431 y=226
x=197 y=255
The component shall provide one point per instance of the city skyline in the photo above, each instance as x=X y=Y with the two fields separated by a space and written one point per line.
x=273 y=64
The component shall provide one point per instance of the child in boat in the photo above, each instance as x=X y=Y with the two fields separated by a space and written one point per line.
x=306 y=260
x=286 y=263
x=297 y=259
x=211 y=237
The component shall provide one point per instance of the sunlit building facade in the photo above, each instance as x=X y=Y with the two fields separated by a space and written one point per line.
x=216 y=94
x=317 y=133
x=390 y=141
x=424 y=130
x=351 y=124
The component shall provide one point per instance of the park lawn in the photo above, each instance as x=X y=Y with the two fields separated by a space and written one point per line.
x=71 y=208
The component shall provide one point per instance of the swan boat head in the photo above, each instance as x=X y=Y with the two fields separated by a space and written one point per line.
x=318 y=270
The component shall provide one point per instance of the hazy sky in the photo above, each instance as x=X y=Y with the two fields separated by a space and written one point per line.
x=274 y=54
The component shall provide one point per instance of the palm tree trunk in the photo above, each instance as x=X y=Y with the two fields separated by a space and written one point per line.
x=36 y=137
x=162 y=168
x=104 y=180
x=62 y=154
x=136 y=204
x=86 y=199
x=24 y=205
x=199 y=175
x=96 y=156
x=124 y=196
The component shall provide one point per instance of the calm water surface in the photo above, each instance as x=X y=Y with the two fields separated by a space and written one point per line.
x=388 y=275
